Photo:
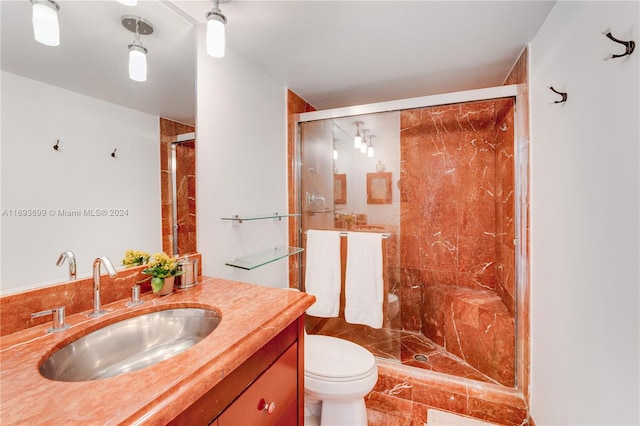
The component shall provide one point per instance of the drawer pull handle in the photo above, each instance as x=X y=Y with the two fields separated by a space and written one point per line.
x=268 y=407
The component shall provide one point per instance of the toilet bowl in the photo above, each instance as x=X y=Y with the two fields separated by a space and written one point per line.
x=337 y=375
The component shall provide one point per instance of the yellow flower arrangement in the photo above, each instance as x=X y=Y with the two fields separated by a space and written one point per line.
x=135 y=258
x=161 y=266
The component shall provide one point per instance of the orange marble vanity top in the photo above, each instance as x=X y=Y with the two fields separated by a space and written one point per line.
x=251 y=316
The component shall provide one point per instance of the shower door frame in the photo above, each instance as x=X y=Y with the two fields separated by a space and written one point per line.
x=521 y=184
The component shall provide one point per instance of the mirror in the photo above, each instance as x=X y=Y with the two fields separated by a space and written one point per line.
x=379 y=188
x=99 y=192
x=340 y=188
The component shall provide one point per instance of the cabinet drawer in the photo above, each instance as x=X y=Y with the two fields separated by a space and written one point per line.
x=277 y=386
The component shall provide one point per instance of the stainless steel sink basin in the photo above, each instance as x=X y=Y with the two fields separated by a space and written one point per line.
x=130 y=345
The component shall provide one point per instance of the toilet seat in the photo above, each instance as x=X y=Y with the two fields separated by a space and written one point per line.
x=331 y=359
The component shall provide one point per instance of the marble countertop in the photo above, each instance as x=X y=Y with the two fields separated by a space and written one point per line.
x=251 y=316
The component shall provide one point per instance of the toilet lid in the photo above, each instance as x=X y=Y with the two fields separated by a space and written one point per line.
x=333 y=358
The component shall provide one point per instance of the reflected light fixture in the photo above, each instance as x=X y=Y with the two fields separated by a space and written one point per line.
x=128 y=2
x=363 y=145
x=46 y=29
x=216 y=22
x=137 y=52
x=335 y=151
x=357 y=140
x=370 y=152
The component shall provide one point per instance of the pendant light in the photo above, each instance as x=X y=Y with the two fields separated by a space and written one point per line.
x=46 y=29
x=357 y=139
x=216 y=22
x=137 y=52
x=370 y=152
x=363 y=145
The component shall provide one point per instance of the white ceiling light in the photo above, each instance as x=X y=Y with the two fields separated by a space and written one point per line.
x=370 y=151
x=46 y=29
x=137 y=62
x=128 y=2
x=363 y=146
x=216 y=22
x=137 y=52
x=357 y=140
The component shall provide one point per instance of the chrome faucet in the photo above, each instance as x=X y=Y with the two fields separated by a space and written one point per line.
x=97 y=311
x=72 y=262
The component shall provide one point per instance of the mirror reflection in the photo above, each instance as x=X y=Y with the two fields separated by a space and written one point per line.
x=81 y=141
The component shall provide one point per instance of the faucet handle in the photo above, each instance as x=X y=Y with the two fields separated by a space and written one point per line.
x=58 y=318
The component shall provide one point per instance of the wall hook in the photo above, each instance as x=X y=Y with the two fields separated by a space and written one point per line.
x=113 y=154
x=563 y=94
x=57 y=145
x=628 y=46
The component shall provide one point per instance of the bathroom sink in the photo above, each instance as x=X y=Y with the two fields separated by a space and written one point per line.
x=130 y=344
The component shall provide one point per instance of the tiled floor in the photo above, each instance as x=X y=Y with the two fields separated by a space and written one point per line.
x=409 y=348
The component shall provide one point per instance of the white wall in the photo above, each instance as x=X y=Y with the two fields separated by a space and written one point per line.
x=241 y=165
x=82 y=175
x=585 y=217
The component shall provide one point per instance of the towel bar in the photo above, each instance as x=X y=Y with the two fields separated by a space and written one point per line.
x=344 y=234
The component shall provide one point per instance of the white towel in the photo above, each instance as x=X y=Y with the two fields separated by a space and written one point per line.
x=322 y=273
x=364 y=289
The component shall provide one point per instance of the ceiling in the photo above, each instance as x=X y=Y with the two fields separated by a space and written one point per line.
x=342 y=53
x=331 y=53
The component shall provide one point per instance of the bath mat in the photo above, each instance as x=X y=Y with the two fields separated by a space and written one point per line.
x=443 y=418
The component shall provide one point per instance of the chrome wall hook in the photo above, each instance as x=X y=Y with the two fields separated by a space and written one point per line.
x=563 y=94
x=57 y=145
x=113 y=154
x=628 y=46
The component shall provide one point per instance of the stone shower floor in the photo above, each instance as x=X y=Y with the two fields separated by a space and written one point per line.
x=409 y=348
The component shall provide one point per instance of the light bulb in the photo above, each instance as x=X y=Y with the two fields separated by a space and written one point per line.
x=137 y=63
x=215 y=36
x=46 y=29
x=370 y=152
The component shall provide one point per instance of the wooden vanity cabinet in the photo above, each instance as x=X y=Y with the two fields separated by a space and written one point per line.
x=267 y=389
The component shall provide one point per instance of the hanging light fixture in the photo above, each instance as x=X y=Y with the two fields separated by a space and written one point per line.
x=46 y=29
x=137 y=52
x=216 y=22
x=363 y=146
x=357 y=140
x=370 y=152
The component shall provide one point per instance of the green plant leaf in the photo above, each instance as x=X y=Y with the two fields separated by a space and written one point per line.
x=156 y=284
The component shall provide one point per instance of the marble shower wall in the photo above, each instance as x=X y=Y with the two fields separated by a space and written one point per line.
x=457 y=230
x=185 y=188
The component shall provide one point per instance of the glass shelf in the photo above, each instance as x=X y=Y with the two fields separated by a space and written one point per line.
x=260 y=259
x=240 y=219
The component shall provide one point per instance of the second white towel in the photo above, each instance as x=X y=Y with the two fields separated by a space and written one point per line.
x=322 y=273
x=364 y=287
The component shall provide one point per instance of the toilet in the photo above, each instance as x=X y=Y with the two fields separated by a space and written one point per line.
x=337 y=376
